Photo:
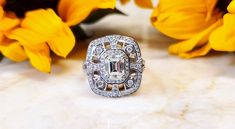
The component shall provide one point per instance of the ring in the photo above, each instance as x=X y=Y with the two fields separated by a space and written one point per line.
x=114 y=66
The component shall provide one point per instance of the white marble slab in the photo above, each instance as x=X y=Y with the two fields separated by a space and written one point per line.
x=175 y=93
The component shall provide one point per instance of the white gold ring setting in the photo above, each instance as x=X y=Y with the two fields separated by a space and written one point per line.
x=114 y=66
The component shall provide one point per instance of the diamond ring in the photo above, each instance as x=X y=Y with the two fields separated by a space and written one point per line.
x=114 y=66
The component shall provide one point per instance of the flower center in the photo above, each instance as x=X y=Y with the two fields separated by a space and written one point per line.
x=19 y=7
x=222 y=5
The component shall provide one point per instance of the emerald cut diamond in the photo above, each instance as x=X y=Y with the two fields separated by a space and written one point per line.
x=115 y=66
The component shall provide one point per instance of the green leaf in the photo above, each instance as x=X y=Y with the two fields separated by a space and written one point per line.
x=99 y=14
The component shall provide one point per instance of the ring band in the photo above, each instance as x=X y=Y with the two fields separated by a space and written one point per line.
x=114 y=66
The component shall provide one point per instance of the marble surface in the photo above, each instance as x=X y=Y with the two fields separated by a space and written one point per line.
x=175 y=93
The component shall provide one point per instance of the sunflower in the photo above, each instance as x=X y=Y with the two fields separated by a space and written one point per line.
x=34 y=32
x=200 y=25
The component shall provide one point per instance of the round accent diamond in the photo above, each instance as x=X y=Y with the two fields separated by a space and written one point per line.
x=98 y=50
x=130 y=83
x=100 y=84
x=129 y=48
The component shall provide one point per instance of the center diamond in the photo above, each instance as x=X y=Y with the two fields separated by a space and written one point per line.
x=115 y=66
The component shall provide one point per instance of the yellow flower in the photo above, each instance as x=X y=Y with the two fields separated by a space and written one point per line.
x=140 y=3
x=10 y=48
x=73 y=12
x=223 y=38
x=40 y=31
x=43 y=30
x=189 y=20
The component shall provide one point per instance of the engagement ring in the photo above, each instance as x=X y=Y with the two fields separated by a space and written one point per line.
x=114 y=66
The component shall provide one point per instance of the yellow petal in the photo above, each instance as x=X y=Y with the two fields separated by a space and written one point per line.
x=231 y=7
x=1 y=12
x=40 y=58
x=2 y=2
x=1 y=37
x=13 y=51
x=37 y=27
x=63 y=43
x=183 y=19
x=196 y=53
x=144 y=3
x=199 y=39
x=74 y=11
x=124 y=1
x=7 y=23
x=223 y=38
x=104 y=4
x=27 y=37
x=44 y=22
x=210 y=7
x=189 y=5
x=44 y=26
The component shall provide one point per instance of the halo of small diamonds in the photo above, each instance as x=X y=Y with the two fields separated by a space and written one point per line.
x=114 y=66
